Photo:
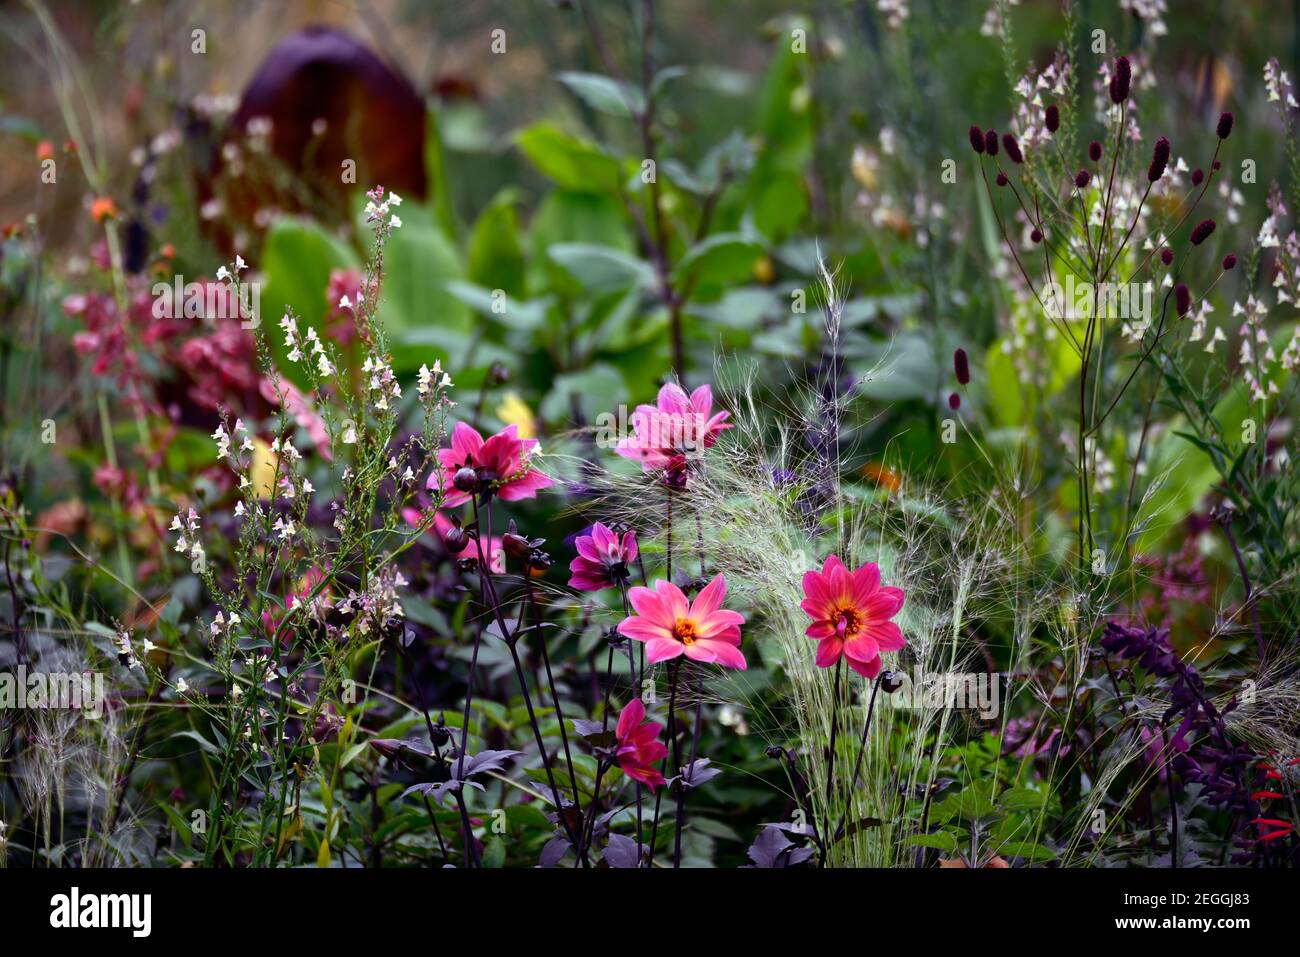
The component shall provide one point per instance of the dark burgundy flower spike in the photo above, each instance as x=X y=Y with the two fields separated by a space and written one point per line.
x=1202 y=231
x=1053 y=119
x=1159 y=160
x=1121 y=78
x=976 y=139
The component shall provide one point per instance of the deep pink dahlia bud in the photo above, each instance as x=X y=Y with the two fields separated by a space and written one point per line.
x=961 y=366
x=1182 y=299
x=1202 y=231
x=1121 y=78
x=1224 y=129
x=1053 y=119
x=1229 y=262
x=1159 y=160
x=1166 y=255
x=1094 y=151
x=976 y=139
x=1081 y=179
x=1013 y=148
x=991 y=142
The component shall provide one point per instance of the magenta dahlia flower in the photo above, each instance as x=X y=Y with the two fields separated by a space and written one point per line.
x=670 y=627
x=603 y=559
x=639 y=748
x=676 y=428
x=502 y=465
x=851 y=614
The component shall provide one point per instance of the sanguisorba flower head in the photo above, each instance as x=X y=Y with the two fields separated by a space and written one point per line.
x=676 y=427
x=603 y=560
x=639 y=748
x=502 y=465
x=851 y=614
x=701 y=630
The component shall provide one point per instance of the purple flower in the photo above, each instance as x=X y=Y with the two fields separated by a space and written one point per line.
x=603 y=559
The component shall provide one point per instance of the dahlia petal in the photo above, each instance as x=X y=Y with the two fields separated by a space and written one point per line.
x=710 y=598
x=868 y=669
x=862 y=647
x=716 y=652
x=643 y=629
x=829 y=650
x=662 y=649
x=886 y=634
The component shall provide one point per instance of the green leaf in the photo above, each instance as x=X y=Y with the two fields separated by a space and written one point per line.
x=724 y=259
x=496 y=253
x=596 y=389
x=571 y=162
x=604 y=93
x=600 y=267
x=940 y=840
x=1026 y=849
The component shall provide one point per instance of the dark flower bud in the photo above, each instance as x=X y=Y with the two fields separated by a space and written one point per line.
x=775 y=752
x=961 y=366
x=1224 y=129
x=1013 y=148
x=1035 y=236
x=1094 y=151
x=1229 y=262
x=498 y=374
x=976 y=139
x=954 y=401
x=1166 y=255
x=538 y=561
x=456 y=539
x=1001 y=179
x=1081 y=179
x=890 y=681
x=1121 y=78
x=1182 y=299
x=467 y=564
x=1202 y=231
x=515 y=545
x=1217 y=166
x=991 y=142
x=1159 y=160
x=1053 y=119
x=1198 y=175
x=466 y=480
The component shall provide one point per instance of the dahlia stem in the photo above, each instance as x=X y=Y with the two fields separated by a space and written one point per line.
x=690 y=764
x=830 y=759
x=857 y=765
x=672 y=735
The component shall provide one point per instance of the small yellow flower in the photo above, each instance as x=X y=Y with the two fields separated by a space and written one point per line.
x=514 y=411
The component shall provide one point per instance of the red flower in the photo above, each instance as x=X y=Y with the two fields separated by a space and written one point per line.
x=702 y=631
x=603 y=559
x=503 y=464
x=639 y=747
x=851 y=614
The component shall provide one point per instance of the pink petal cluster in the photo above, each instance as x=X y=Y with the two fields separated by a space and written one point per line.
x=603 y=558
x=678 y=427
x=851 y=614
x=639 y=748
x=503 y=464
x=670 y=627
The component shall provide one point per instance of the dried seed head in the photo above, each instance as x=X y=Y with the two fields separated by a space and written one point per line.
x=976 y=139
x=1159 y=160
x=1229 y=262
x=1053 y=119
x=1013 y=148
x=1182 y=299
x=1094 y=151
x=1121 y=78
x=1202 y=231
x=961 y=366
x=991 y=142
x=1224 y=129
x=1081 y=179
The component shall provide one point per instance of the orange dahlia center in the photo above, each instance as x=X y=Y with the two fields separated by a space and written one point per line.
x=684 y=631
x=846 y=620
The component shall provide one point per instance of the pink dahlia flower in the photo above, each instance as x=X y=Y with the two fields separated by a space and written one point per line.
x=503 y=464
x=678 y=427
x=639 y=748
x=603 y=559
x=702 y=630
x=851 y=614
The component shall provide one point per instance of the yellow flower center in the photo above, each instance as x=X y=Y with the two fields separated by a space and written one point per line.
x=846 y=621
x=684 y=631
